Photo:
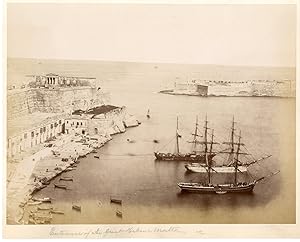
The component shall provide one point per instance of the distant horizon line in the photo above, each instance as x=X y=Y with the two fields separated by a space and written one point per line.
x=146 y=62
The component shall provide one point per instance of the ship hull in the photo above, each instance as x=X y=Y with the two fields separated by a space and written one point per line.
x=182 y=157
x=218 y=189
x=219 y=169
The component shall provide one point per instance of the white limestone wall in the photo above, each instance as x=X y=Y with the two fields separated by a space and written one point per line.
x=112 y=122
x=25 y=101
x=35 y=136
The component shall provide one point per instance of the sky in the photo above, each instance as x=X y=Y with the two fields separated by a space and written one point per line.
x=255 y=35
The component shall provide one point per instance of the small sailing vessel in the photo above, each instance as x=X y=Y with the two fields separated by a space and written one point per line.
x=194 y=156
x=148 y=113
x=229 y=168
x=209 y=187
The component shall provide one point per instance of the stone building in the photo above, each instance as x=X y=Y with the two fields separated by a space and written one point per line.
x=31 y=130
x=76 y=124
x=37 y=114
x=101 y=120
x=53 y=80
x=192 y=88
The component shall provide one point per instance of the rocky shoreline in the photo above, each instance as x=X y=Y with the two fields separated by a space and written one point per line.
x=57 y=156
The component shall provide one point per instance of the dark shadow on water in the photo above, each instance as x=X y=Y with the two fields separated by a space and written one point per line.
x=214 y=200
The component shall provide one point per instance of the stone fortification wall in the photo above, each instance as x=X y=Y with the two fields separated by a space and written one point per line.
x=254 y=88
x=112 y=122
x=21 y=102
x=18 y=103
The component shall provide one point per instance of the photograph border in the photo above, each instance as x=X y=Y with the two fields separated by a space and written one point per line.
x=80 y=231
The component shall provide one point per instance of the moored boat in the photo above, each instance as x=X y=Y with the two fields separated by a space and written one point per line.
x=70 y=169
x=242 y=167
x=117 y=201
x=199 y=168
x=148 y=113
x=44 y=200
x=119 y=213
x=218 y=188
x=194 y=156
x=227 y=187
x=33 y=203
x=60 y=186
x=66 y=179
x=76 y=207
x=57 y=212
x=43 y=208
x=181 y=157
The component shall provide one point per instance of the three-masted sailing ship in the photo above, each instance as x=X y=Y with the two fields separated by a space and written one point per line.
x=235 y=186
x=194 y=156
x=229 y=167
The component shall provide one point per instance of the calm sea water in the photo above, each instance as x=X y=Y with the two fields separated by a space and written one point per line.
x=147 y=187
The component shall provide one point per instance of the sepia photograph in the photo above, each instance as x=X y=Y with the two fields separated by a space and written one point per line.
x=149 y=116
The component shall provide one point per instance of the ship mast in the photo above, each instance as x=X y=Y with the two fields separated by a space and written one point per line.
x=212 y=141
x=237 y=159
x=177 y=141
x=208 y=160
x=205 y=150
x=231 y=154
x=195 y=136
x=205 y=135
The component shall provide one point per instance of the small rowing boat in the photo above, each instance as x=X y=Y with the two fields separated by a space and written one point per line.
x=45 y=199
x=117 y=201
x=119 y=214
x=69 y=169
x=66 y=179
x=56 y=212
x=76 y=207
x=60 y=186
x=34 y=203
x=41 y=208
